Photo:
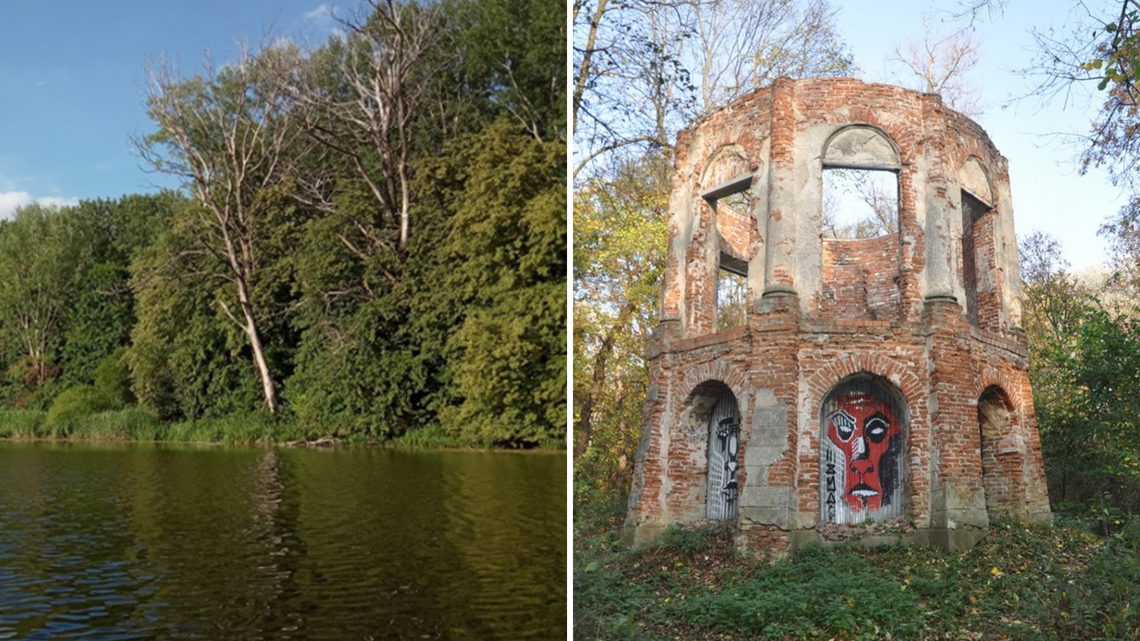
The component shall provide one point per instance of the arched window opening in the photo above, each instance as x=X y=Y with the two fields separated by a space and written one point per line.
x=860 y=187
x=864 y=420
x=732 y=204
x=977 y=197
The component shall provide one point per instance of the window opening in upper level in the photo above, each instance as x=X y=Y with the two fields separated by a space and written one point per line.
x=731 y=293
x=859 y=203
x=972 y=211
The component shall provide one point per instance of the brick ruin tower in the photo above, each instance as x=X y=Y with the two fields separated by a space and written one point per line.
x=873 y=389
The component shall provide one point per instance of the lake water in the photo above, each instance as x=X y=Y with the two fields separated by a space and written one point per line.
x=144 y=541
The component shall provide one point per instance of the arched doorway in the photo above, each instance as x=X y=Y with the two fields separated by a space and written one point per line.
x=863 y=424
x=994 y=425
x=723 y=454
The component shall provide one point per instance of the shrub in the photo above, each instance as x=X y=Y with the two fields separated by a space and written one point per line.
x=73 y=403
x=113 y=379
x=817 y=592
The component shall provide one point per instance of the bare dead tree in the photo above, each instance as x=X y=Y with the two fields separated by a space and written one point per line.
x=646 y=68
x=940 y=63
x=227 y=134
x=381 y=64
x=742 y=45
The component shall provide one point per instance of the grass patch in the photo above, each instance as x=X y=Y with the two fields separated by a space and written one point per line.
x=79 y=417
x=136 y=424
x=130 y=424
x=432 y=437
x=1021 y=582
x=21 y=423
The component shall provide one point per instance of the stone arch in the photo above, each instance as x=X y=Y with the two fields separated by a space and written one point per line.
x=993 y=377
x=864 y=422
x=726 y=165
x=861 y=146
x=974 y=177
x=715 y=370
x=712 y=415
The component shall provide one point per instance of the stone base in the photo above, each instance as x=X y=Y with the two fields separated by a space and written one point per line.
x=635 y=536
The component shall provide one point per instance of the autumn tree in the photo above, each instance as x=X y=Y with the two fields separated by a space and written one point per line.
x=642 y=71
x=621 y=238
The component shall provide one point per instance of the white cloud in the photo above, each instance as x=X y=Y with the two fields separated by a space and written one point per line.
x=323 y=14
x=10 y=201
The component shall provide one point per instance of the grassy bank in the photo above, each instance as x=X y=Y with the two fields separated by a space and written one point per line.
x=1020 y=582
x=136 y=424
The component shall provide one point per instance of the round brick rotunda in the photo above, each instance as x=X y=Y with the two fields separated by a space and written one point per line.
x=809 y=386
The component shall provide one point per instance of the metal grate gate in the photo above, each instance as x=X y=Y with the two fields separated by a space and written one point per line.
x=724 y=445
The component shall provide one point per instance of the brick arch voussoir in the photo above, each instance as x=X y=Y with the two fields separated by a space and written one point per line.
x=825 y=378
x=902 y=136
x=993 y=377
x=720 y=371
x=727 y=147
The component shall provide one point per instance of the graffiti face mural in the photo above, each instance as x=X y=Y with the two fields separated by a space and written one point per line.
x=864 y=429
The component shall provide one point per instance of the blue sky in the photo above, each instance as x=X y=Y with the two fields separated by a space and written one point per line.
x=1048 y=194
x=72 y=82
x=72 y=87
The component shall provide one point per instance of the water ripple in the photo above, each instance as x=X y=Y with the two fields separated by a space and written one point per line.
x=138 y=542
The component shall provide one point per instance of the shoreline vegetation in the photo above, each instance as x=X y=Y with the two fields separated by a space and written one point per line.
x=136 y=424
x=321 y=270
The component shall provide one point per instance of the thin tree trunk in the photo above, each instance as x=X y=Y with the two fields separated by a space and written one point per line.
x=587 y=55
x=583 y=427
x=268 y=386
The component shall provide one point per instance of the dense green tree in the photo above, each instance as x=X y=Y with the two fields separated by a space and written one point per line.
x=1085 y=370
x=502 y=269
x=515 y=51
x=40 y=260
x=183 y=362
x=377 y=226
x=98 y=321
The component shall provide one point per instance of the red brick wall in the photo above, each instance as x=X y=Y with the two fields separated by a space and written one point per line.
x=861 y=279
